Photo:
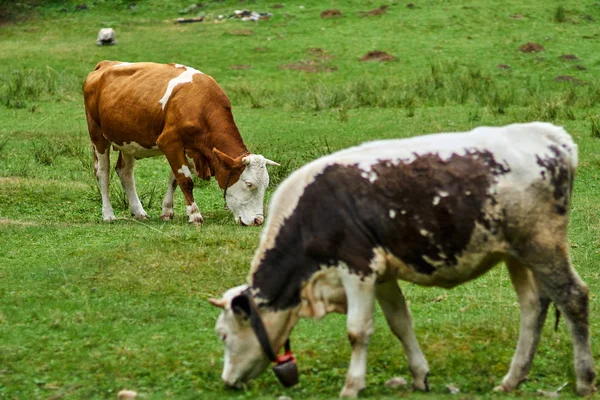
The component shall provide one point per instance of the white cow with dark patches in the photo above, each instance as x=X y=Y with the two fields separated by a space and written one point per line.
x=436 y=210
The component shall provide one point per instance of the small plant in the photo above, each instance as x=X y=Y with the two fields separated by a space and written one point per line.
x=3 y=144
x=560 y=15
x=595 y=124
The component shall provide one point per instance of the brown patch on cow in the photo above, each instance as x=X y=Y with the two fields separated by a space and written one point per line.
x=309 y=66
x=517 y=16
x=437 y=204
x=240 y=66
x=580 y=68
x=331 y=14
x=569 y=78
x=531 y=47
x=569 y=57
x=319 y=53
x=242 y=32
x=555 y=168
x=377 y=11
x=380 y=56
x=503 y=66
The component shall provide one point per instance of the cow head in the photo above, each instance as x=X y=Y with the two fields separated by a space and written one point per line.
x=245 y=197
x=244 y=356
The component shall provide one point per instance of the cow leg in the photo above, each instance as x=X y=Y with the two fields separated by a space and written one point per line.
x=360 y=295
x=175 y=154
x=167 y=204
x=570 y=294
x=534 y=308
x=124 y=169
x=398 y=317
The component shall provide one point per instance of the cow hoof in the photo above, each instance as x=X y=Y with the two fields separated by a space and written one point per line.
x=142 y=217
x=422 y=386
x=585 y=389
x=196 y=219
x=349 y=393
x=502 y=388
x=167 y=215
x=109 y=218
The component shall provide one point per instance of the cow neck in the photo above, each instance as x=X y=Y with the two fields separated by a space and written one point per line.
x=223 y=175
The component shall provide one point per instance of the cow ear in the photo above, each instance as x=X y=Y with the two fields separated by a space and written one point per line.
x=240 y=305
x=224 y=158
x=219 y=303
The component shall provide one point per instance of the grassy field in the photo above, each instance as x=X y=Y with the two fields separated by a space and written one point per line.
x=89 y=308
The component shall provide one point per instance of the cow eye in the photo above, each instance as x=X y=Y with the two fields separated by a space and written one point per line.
x=249 y=184
x=224 y=337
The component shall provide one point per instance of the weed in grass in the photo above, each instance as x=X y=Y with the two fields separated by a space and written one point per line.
x=560 y=14
x=595 y=125
x=3 y=143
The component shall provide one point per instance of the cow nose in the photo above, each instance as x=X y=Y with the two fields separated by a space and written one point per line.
x=241 y=222
x=258 y=220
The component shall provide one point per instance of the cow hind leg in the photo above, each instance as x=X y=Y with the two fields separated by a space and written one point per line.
x=102 y=171
x=360 y=296
x=398 y=317
x=124 y=169
x=559 y=281
x=534 y=308
x=167 y=204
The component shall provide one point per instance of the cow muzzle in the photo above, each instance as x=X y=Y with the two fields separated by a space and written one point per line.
x=257 y=221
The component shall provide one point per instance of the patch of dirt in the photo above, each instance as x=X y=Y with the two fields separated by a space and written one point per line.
x=309 y=66
x=410 y=5
x=242 y=32
x=377 y=11
x=569 y=78
x=580 y=68
x=503 y=66
x=569 y=57
x=517 y=16
x=331 y=14
x=319 y=53
x=531 y=47
x=240 y=66
x=277 y=6
x=260 y=49
x=376 y=55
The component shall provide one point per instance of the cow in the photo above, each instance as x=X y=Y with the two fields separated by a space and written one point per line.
x=148 y=109
x=435 y=210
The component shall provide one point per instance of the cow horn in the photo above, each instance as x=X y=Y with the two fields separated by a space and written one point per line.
x=220 y=303
x=269 y=162
x=246 y=160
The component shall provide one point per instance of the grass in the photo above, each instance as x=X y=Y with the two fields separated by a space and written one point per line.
x=87 y=308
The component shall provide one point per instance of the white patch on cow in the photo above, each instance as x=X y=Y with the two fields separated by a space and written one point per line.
x=185 y=171
x=123 y=64
x=370 y=175
x=468 y=193
x=185 y=77
x=403 y=212
x=392 y=214
x=436 y=200
x=424 y=232
x=137 y=150
x=193 y=213
x=443 y=193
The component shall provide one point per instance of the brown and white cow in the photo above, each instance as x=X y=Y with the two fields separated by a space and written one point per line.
x=435 y=210
x=147 y=109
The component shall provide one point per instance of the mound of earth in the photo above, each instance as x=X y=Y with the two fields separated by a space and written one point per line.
x=580 y=67
x=309 y=66
x=517 y=16
x=569 y=57
x=410 y=5
x=331 y=14
x=569 y=78
x=319 y=53
x=531 y=47
x=377 y=55
x=260 y=49
x=242 y=32
x=377 y=11
x=503 y=66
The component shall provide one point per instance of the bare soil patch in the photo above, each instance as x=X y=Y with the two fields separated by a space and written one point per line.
x=240 y=66
x=531 y=47
x=377 y=11
x=580 y=68
x=569 y=78
x=260 y=49
x=517 y=16
x=503 y=66
x=331 y=14
x=376 y=55
x=319 y=53
x=569 y=57
x=410 y=5
x=277 y=6
x=242 y=32
x=309 y=66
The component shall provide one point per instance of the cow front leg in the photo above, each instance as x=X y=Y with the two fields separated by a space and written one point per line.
x=360 y=295
x=102 y=170
x=175 y=154
x=534 y=308
x=167 y=204
x=398 y=317
x=124 y=169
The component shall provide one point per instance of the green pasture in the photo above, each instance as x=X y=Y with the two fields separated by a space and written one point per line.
x=89 y=308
